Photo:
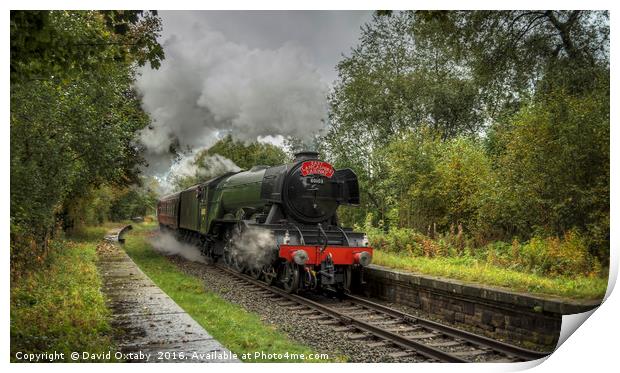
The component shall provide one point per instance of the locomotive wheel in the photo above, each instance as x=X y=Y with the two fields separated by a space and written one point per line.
x=345 y=287
x=234 y=263
x=237 y=262
x=229 y=256
x=208 y=255
x=290 y=277
x=205 y=250
x=347 y=279
x=270 y=275
x=255 y=272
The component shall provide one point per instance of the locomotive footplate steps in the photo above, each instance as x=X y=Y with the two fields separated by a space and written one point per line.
x=147 y=322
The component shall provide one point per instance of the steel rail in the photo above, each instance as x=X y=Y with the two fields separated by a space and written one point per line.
x=408 y=344
x=504 y=348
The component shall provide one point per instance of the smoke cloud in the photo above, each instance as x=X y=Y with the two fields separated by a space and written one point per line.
x=255 y=247
x=191 y=165
x=210 y=166
x=167 y=244
x=209 y=86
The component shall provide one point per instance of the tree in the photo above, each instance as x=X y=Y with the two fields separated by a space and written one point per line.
x=228 y=155
x=249 y=155
x=74 y=113
x=387 y=87
x=498 y=120
x=437 y=183
x=554 y=169
x=513 y=54
x=65 y=44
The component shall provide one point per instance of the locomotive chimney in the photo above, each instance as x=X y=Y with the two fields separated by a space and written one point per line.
x=305 y=155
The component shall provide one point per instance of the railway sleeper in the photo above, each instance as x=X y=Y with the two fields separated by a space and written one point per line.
x=471 y=353
x=421 y=336
x=358 y=336
x=341 y=329
x=329 y=322
x=400 y=354
x=349 y=309
x=308 y=312
x=387 y=322
x=445 y=344
x=362 y=313
x=378 y=344
x=403 y=329
x=287 y=303
x=319 y=317
x=373 y=317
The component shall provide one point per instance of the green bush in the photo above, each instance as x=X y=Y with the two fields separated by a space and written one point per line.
x=59 y=306
x=554 y=256
x=550 y=256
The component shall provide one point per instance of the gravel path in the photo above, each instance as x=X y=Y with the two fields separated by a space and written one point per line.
x=323 y=338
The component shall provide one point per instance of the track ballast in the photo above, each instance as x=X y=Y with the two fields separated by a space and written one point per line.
x=378 y=325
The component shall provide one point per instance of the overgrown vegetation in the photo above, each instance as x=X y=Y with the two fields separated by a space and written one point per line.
x=492 y=125
x=74 y=116
x=471 y=269
x=544 y=265
x=238 y=330
x=59 y=307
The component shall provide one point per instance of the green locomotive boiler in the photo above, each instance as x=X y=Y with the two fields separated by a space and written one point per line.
x=276 y=223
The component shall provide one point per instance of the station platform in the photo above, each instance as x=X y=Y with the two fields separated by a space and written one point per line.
x=149 y=325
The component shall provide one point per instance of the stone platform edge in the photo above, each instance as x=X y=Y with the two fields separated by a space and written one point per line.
x=556 y=305
x=141 y=312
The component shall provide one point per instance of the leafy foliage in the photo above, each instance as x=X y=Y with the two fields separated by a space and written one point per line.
x=247 y=155
x=480 y=271
x=494 y=124
x=553 y=169
x=60 y=307
x=65 y=44
x=209 y=164
x=109 y=203
x=74 y=113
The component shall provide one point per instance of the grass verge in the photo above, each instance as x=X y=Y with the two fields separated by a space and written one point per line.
x=59 y=307
x=472 y=270
x=240 y=331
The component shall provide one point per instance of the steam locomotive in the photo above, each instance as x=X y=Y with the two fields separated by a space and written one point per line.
x=278 y=224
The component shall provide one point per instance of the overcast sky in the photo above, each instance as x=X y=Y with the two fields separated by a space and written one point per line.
x=325 y=35
x=257 y=75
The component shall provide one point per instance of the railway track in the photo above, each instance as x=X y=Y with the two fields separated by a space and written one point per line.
x=378 y=325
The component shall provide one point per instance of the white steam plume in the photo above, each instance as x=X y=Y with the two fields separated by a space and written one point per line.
x=191 y=165
x=208 y=86
x=255 y=247
x=167 y=244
